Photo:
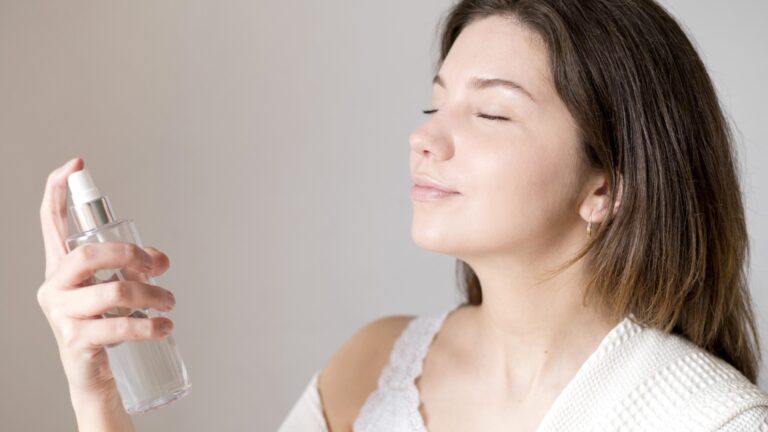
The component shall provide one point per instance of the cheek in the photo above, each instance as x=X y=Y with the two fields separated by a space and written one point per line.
x=507 y=191
x=520 y=193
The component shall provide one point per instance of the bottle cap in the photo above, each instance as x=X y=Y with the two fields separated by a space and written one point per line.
x=82 y=187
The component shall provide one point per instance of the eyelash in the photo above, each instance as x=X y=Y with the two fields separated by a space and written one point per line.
x=481 y=115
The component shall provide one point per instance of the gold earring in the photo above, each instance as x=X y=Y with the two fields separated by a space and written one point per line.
x=589 y=225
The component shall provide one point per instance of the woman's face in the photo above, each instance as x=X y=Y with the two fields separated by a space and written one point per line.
x=518 y=173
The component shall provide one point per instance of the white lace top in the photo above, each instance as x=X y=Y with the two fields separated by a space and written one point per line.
x=638 y=379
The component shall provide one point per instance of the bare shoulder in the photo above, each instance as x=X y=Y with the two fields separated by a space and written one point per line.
x=353 y=371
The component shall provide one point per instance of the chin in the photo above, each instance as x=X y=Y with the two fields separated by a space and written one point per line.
x=437 y=239
x=463 y=244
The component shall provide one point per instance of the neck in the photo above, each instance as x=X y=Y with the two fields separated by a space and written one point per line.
x=529 y=331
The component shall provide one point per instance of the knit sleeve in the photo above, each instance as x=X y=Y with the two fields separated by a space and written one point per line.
x=754 y=419
x=307 y=413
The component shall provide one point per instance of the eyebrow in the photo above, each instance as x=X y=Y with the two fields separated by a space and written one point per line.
x=483 y=83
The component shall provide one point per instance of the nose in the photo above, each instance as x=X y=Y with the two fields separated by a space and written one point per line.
x=429 y=141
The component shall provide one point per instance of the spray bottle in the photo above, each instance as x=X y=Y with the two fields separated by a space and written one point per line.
x=148 y=373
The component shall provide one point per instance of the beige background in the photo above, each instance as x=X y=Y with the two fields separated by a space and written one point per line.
x=264 y=147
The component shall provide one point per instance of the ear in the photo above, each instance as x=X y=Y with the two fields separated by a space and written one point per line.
x=598 y=195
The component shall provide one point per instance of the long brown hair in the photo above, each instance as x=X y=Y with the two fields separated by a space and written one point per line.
x=676 y=252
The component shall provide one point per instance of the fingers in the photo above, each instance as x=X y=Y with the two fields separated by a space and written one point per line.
x=95 y=300
x=160 y=261
x=53 y=212
x=95 y=333
x=82 y=262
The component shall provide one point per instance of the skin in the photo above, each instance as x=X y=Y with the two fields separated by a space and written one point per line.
x=525 y=199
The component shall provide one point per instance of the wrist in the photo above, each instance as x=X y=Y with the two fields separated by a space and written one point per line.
x=100 y=411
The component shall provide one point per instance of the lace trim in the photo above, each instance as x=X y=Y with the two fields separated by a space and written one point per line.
x=407 y=357
x=397 y=379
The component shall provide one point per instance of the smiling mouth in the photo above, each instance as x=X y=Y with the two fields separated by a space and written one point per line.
x=426 y=193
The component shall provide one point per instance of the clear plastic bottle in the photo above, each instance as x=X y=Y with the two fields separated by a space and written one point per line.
x=148 y=373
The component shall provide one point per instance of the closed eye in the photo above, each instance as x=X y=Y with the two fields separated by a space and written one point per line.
x=492 y=117
x=481 y=115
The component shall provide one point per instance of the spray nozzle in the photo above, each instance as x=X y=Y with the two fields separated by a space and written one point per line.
x=82 y=187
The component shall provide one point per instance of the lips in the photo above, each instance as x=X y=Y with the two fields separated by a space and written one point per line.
x=426 y=182
x=426 y=188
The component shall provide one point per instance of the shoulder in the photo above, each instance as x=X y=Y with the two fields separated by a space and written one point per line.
x=702 y=387
x=753 y=419
x=352 y=372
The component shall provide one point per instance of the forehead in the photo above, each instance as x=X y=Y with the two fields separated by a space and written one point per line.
x=499 y=47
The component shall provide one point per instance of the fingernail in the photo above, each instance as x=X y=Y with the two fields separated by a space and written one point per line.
x=166 y=327
x=170 y=300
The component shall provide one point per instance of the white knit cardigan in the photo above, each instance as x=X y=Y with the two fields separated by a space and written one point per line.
x=638 y=379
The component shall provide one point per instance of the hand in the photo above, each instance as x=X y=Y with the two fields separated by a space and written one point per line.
x=73 y=308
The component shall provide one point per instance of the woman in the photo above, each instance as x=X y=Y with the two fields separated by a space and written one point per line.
x=577 y=164
x=583 y=133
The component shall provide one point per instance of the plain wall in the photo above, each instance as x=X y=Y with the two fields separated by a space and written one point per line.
x=263 y=146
